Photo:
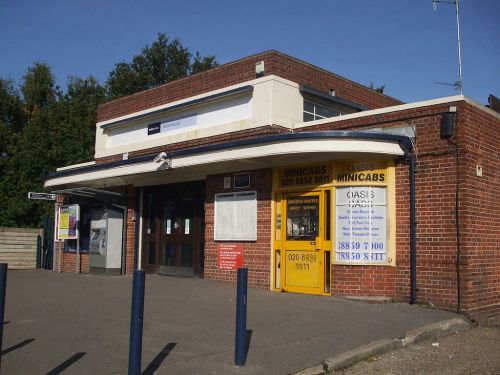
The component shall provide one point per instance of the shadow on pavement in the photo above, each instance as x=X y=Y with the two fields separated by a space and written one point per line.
x=63 y=366
x=249 y=339
x=17 y=346
x=160 y=357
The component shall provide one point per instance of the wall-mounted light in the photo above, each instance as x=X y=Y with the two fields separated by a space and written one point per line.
x=447 y=125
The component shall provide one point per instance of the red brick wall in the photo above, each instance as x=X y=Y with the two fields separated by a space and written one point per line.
x=256 y=254
x=479 y=140
x=241 y=71
x=435 y=201
x=69 y=262
x=478 y=137
x=132 y=221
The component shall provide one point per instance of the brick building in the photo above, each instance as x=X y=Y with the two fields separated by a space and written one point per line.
x=315 y=183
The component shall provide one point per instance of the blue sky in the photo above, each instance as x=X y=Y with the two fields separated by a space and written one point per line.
x=400 y=43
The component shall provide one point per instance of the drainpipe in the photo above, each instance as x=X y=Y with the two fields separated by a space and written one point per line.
x=413 y=230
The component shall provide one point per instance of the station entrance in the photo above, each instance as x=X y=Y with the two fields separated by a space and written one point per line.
x=173 y=242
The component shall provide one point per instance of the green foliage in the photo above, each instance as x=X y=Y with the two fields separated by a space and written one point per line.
x=43 y=127
x=39 y=132
x=11 y=106
x=38 y=87
x=164 y=61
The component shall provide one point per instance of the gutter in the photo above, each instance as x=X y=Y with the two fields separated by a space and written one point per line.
x=412 y=158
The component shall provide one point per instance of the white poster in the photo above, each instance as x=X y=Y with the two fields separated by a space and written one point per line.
x=361 y=224
x=236 y=216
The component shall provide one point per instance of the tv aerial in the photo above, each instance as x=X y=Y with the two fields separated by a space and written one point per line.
x=458 y=85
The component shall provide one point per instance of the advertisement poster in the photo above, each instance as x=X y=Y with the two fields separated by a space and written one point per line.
x=69 y=218
x=361 y=225
x=229 y=256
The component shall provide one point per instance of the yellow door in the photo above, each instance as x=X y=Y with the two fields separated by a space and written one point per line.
x=303 y=243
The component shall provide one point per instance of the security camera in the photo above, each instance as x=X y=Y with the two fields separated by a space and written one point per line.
x=161 y=156
x=163 y=161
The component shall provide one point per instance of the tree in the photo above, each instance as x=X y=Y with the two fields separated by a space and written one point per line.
x=11 y=106
x=43 y=127
x=164 y=61
x=25 y=160
x=73 y=127
x=59 y=130
x=38 y=87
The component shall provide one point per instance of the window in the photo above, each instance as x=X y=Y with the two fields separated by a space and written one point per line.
x=242 y=180
x=314 y=111
x=236 y=216
x=302 y=218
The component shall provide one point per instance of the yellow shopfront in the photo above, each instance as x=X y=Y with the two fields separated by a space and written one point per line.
x=330 y=213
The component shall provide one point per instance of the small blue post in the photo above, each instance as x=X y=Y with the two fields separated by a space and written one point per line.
x=241 y=318
x=3 y=288
x=136 y=323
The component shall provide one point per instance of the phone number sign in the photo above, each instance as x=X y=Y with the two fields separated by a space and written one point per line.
x=229 y=256
x=361 y=225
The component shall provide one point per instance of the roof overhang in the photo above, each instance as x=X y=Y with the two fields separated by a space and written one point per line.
x=249 y=154
x=104 y=196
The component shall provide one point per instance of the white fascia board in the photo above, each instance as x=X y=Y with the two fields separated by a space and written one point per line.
x=482 y=107
x=287 y=148
x=75 y=166
x=334 y=146
x=102 y=174
x=196 y=97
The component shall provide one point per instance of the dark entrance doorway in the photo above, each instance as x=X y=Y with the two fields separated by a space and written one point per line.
x=173 y=241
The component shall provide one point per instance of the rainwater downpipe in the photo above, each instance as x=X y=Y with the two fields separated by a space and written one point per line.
x=413 y=230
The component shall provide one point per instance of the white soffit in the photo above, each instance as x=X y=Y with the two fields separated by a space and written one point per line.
x=253 y=152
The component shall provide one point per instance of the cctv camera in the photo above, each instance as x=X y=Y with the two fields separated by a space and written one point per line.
x=161 y=156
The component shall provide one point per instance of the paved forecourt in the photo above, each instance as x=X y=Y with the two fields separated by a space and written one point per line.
x=80 y=324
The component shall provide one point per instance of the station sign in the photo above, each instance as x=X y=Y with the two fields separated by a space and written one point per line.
x=42 y=196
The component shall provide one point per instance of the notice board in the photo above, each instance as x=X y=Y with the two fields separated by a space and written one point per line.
x=236 y=216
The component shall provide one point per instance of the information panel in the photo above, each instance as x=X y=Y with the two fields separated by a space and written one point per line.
x=67 y=226
x=229 y=256
x=361 y=224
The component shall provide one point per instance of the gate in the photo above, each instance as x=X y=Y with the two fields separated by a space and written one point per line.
x=47 y=245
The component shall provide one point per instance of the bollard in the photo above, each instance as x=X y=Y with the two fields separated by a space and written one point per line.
x=240 y=350
x=3 y=287
x=136 y=323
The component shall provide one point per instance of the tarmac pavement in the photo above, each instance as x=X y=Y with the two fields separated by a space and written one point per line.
x=80 y=324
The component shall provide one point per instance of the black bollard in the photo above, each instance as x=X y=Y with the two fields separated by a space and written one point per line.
x=136 y=323
x=3 y=288
x=240 y=350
